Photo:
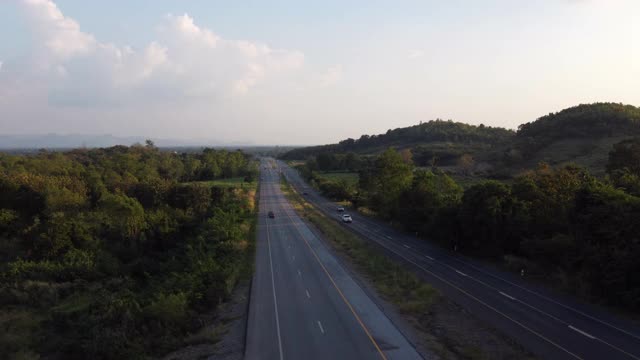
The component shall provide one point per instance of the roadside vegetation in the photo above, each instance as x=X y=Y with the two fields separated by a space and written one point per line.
x=561 y=224
x=116 y=253
x=443 y=327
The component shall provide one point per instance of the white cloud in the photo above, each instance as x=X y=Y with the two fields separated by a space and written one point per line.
x=185 y=62
x=414 y=54
x=60 y=36
x=331 y=76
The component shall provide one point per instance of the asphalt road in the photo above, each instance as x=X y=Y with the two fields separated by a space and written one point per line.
x=550 y=325
x=304 y=305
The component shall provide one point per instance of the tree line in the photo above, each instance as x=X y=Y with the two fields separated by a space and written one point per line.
x=112 y=253
x=562 y=224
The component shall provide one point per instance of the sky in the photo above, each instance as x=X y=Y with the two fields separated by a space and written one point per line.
x=293 y=73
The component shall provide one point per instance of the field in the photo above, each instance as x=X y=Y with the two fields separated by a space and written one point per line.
x=350 y=177
x=232 y=182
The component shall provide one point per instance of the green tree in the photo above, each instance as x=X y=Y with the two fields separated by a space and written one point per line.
x=390 y=177
x=625 y=155
x=486 y=219
x=431 y=195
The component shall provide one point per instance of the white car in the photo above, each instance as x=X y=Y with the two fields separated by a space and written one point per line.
x=340 y=209
x=347 y=218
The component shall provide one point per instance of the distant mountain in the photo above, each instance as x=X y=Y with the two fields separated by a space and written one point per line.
x=57 y=141
x=582 y=134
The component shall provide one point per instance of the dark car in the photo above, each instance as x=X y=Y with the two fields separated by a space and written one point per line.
x=271 y=215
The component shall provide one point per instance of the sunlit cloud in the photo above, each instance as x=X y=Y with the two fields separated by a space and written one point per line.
x=414 y=54
x=186 y=61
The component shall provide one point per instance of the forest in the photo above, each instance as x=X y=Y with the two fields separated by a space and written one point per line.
x=562 y=225
x=114 y=253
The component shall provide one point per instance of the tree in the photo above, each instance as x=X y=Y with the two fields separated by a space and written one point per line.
x=390 y=177
x=487 y=216
x=351 y=162
x=125 y=217
x=625 y=155
x=326 y=161
x=466 y=163
x=607 y=229
x=430 y=196
x=407 y=156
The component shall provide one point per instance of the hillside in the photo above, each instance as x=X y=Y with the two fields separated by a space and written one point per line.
x=583 y=134
x=446 y=140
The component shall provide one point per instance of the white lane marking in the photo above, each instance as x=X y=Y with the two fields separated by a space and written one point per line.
x=582 y=332
x=407 y=246
x=275 y=299
x=550 y=300
x=293 y=257
x=320 y=326
x=520 y=301
x=428 y=257
x=299 y=273
x=461 y=273
x=479 y=300
x=308 y=296
x=388 y=237
x=507 y=295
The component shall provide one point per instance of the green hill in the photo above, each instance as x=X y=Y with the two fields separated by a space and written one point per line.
x=445 y=140
x=583 y=134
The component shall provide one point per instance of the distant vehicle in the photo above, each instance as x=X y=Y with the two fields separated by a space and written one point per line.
x=347 y=218
x=305 y=193
x=271 y=215
x=340 y=209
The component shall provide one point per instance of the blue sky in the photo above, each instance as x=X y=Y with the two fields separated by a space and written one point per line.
x=284 y=72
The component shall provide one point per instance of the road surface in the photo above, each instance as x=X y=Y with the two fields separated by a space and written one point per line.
x=549 y=325
x=303 y=304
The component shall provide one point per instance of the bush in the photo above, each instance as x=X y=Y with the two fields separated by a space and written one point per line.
x=169 y=309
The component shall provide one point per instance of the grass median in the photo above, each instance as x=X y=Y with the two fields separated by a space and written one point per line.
x=396 y=284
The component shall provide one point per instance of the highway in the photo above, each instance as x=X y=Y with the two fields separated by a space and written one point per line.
x=550 y=325
x=303 y=304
